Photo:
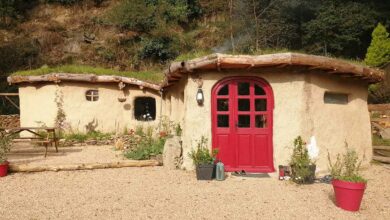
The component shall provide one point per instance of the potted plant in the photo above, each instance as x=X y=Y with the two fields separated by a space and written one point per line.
x=203 y=160
x=5 y=143
x=347 y=183
x=302 y=167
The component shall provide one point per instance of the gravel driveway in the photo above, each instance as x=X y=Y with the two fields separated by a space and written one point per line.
x=155 y=193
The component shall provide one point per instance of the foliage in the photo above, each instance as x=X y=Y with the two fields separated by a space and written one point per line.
x=151 y=76
x=202 y=155
x=346 y=167
x=158 y=49
x=178 y=130
x=301 y=163
x=146 y=145
x=378 y=141
x=82 y=137
x=379 y=51
x=64 y=2
x=5 y=147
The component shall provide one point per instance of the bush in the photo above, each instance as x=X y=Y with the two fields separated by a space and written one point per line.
x=202 y=155
x=82 y=137
x=64 y=2
x=301 y=164
x=147 y=148
x=346 y=167
x=158 y=49
x=379 y=51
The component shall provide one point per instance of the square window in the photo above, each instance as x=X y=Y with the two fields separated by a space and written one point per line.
x=92 y=95
x=335 y=98
x=145 y=109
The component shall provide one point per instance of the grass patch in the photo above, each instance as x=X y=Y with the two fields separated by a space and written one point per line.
x=378 y=141
x=154 y=76
x=192 y=55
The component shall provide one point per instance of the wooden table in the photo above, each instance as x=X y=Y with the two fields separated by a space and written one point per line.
x=49 y=137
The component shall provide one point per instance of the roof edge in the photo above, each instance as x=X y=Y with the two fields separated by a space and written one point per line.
x=93 y=78
x=225 y=61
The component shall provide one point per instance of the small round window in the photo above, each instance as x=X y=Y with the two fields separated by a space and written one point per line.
x=92 y=95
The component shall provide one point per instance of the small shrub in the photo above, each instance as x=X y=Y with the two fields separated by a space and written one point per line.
x=301 y=164
x=146 y=149
x=178 y=130
x=202 y=155
x=82 y=137
x=5 y=147
x=346 y=167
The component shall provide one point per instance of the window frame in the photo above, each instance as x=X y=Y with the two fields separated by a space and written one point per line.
x=155 y=109
x=92 y=95
x=337 y=98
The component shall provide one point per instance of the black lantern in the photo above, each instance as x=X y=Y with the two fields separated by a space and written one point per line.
x=200 y=96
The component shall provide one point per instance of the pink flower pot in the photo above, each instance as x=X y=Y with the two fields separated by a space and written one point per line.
x=349 y=195
x=4 y=169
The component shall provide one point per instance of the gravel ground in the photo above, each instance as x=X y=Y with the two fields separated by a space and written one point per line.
x=156 y=193
x=34 y=155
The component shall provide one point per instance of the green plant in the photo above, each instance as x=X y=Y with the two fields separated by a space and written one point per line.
x=346 y=167
x=379 y=51
x=300 y=163
x=378 y=141
x=147 y=148
x=202 y=155
x=5 y=147
x=139 y=130
x=82 y=137
x=178 y=130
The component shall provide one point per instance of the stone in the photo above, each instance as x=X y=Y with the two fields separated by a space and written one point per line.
x=385 y=133
x=172 y=153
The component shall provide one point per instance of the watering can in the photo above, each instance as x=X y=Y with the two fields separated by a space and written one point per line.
x=220 y=171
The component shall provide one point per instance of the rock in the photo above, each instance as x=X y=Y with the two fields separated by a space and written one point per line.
x=385 y=133
x=172 y=153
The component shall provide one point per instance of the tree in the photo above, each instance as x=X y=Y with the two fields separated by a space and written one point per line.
x=379 y=51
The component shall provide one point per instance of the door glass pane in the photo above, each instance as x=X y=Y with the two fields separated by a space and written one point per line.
x=243 y=88
x=224 y=90
x=223 y=105
x=259 y=90
x=223 y=121
x=244 y=121
x=244 y=105
x=260 y=121
x=260 y=105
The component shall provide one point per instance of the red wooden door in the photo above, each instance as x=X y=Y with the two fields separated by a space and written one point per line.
x=242 y=124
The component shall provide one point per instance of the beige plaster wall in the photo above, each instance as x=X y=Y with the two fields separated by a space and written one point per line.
x=299 y=110
x=107 y=114
x=333 y=125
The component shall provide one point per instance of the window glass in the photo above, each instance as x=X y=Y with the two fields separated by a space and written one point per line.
x=243 y=104
x=260 y=105
x=335 y=98
x=244 y=121
x=224 y=90
x=260 y=121
x=92 y=95
x=243 y=88
x=145 y=109
x=223 y=121
x=223 y=105
x=259 y=90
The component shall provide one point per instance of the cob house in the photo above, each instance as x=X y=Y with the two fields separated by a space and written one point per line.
x=249 y=107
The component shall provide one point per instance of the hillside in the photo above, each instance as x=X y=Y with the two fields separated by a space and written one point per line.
x=145 y=35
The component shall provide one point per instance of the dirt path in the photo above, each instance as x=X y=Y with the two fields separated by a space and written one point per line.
x=155 y=193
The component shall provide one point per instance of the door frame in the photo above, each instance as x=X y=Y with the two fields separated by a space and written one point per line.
x=270 y=99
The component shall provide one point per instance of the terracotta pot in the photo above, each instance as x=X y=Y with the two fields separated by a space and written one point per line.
x=204 y=172
x=348 y=195
x=4 y=169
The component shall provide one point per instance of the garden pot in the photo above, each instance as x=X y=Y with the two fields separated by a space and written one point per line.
x=309 y=179
x=4 y=169
x=348 y=195
x=204 y=172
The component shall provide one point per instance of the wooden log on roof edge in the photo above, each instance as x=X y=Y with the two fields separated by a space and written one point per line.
x=82 y=166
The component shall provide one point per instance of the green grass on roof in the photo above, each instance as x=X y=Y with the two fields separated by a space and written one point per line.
x=154 y=76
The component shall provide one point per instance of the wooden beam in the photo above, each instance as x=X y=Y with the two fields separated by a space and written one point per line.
x=9 y=94
x=12 y=102
x=381 y=159
x=80 y=166
x=381 y=147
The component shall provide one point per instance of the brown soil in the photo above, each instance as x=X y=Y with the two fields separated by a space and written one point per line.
x=157 y=193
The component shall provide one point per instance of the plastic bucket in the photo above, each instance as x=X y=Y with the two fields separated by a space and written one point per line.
x=348 y=195
x=4 y=169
